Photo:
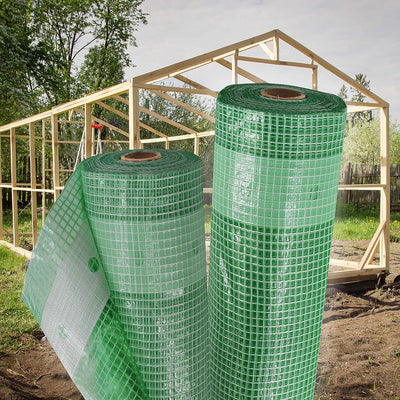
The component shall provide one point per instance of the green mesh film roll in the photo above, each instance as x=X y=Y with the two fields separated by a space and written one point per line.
x=276 y=172
x=139 y=330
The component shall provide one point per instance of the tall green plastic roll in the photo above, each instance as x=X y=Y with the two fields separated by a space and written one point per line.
x=276 y=171
x=118 y=277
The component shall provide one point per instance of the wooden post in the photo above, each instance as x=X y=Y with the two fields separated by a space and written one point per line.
x=235 y=67
x=88 y=130
x=314 y=76
x=275 y=41
x=385 y=193
x=56 y=158
x=14 y=193
x=134 y=128
x=1 y=200
x=32 y=163
x=43 y=170
x=196 y=145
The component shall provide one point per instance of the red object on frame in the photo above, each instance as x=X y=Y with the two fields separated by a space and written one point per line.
x=98 y=126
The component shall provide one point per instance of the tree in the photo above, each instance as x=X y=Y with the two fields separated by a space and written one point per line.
x=17 y=55
x=357 y=96
x=52 y=51
x=362 y=143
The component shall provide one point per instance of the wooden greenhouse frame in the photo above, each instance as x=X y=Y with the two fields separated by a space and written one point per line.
x=42 y=132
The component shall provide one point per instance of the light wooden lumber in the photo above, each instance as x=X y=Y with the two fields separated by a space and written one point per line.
x=207 y=57
x=270 y=53
x=241 y=71
x=150 y=129
x=19 y=250
x=112 y=109
x=32 y=162
x=56 y=158
x=14 y=197
x=366 y=258
x=277 y=62
x=183 y=105
x=134 y=128
x=177 y=89
x=385 y=194
x=330 y=67
x=369 y=186
x=168 y=120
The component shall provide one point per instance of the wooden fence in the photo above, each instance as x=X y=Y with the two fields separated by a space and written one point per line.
x=359 y=174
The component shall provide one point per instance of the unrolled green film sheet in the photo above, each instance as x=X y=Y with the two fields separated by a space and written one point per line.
x=118 y=278
x=276 y=173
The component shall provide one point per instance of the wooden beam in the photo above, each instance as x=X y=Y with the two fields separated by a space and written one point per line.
x=362 y=186
x=335 y=277
x=179 y=137
x=19 y=250
x=276 y=62
x=32 y=164
x=112 y=109
x=14 y=194
x=275 y=42
x=177 y=68
x=25 y=121
x=183 y=105
x=195 y=85
x=235 y=67
x=241 y=72
x=168 y=121
x=353 y=106
x=93 y=97
x=121 y=99
x=196 y=145
x=43 y=170
x=176 y=89
x=56 y=158
x=366 y=258
x=330 y=67
x=270 y=53
x=88 y=130
x=314 y=76
x=134 y=108
x=385 y=194
x=150 y=129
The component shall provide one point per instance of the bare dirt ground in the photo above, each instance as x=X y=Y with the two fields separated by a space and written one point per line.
x=359 y=353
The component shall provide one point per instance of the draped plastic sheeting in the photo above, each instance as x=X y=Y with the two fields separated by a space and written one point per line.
x=118 y=278
x=276 y=173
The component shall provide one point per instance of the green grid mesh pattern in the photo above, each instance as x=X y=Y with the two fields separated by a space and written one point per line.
x=101 y=365
x=276 y=172
x=143 y=225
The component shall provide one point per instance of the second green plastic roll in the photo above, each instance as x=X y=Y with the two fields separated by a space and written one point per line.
x=276 y=171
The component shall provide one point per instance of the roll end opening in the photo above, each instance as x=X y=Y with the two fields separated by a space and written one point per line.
x=281 y=93
x=141 y=156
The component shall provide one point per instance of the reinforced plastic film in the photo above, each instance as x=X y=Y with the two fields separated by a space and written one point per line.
x=118 y=277
x=276 y=171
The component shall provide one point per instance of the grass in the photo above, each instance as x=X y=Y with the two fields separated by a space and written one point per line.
x=17 y=325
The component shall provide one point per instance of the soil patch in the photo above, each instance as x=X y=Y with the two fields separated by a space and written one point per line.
x=359 y=352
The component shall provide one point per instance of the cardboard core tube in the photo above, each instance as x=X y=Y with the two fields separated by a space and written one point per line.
x=283 y=94
x=141 y=156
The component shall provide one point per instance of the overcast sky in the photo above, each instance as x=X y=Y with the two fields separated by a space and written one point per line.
x=353 y=35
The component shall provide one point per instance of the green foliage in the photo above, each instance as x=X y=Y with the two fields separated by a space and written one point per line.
x=354 y=222
x=357 y=96
x=42 y=43
x=16 y=319
x=362 y=143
